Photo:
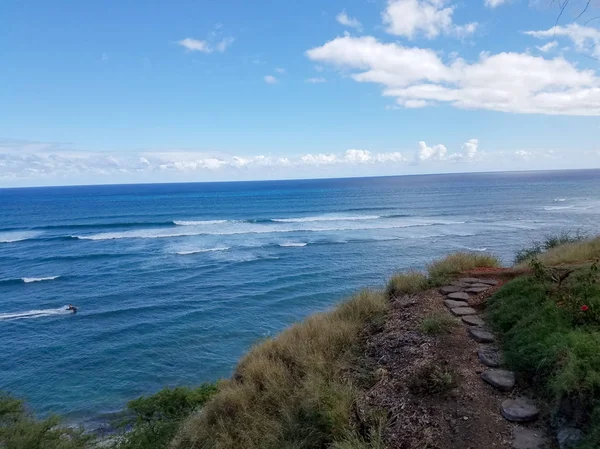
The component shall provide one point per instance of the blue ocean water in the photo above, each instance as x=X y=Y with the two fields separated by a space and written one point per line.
x=174 y=282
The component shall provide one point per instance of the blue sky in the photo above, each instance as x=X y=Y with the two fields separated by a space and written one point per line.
x=155 y=91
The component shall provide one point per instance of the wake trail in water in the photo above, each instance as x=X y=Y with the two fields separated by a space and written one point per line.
x=30 y=314
x=26 y=280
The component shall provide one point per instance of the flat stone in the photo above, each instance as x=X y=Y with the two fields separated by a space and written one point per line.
x=479 y=285
x=528 y=439
x=519 y=410
x=473 y=320
x=481 y=335
x=476 y=289
x=450 y=289
x=569 y=437
x=469 y=280
x=488 y=281
x=501 y=379
x=454 y=304
x=460 y=284
x=461 y=311
x=461 y=296
x=489 y=357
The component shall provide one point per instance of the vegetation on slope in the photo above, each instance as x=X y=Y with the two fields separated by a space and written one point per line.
x=580 y=250
x=549 y=325
x=443 y=270
x=290 y=391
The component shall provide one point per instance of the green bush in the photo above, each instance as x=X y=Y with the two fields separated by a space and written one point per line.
x=550 y=335
x=443 y=270
x=410 y=283
x=551 y=241
x=20 y=430
x=438 y=323
x=158 y=417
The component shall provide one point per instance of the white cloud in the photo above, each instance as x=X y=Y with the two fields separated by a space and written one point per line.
x=470 y=148
x=547 y=47
x=319 y=159
x=204 y=46
x=195 y=45
x=428 y=17
x=345 y=20
x=316 y=80
x=508 y=82
x=270 y=79
x=586 y=39
x=522 y=154
x=358 y=156
x=280 y=70
x=435 y=153
x=494 y=3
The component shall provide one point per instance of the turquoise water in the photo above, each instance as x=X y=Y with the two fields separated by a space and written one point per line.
x=174 y=282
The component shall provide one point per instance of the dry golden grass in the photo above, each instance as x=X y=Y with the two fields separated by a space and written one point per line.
x=442 y=270
x=410 y=283
x=288 y=392
x=569 y=253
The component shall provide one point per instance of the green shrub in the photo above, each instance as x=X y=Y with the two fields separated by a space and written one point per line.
x=438 y=323
x=431 y=379
x=550 y=335
x=289 y=391
x=20 y=430
x=410 y=283
x=443 y=270
x=158 y=417
x=551 y=241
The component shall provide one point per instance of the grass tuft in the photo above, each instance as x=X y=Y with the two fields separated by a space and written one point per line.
x=568 y=253
x=431 y=379
x=289 y=391
x=443 y=270
x=523 y=256
x=407 y=283
x=438 y=323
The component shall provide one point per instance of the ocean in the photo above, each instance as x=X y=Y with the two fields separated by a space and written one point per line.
x=174 y=282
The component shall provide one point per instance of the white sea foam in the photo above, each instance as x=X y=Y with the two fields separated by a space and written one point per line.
x=481 y=250
x=17 y=236
x=34 y=314
x=204 y=250
x=49 y=278
x=293 y=244
x=550 y=208
x=325 y=218
x=198 y=223
x=559 y=200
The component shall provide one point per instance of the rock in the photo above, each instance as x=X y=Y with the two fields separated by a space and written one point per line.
x=461 y=311
x=489 y=357
x=461 y=296
x=480 y=335
x=476 y=289
x=519 y=410
x=488 y=281
x=460 y=284
x=569 y=437
x=528 y=439
x=454 y=304
x=479 y=285
x=469 y=280
x=473 y=320
x=450 y=289
x=501 y=379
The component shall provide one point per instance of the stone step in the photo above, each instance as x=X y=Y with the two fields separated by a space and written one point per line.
x=500 y=379
x=519 y=410
x=490 y=357
x=460 y=284
x=454 y=304
x=450 y=289
x=479 y=285
x=529 y=439
x=481 y=335
x=461 y=296
x=569 y=437
x=488 y=281
x=462 y=311
x=473 y=320
x=476 y=289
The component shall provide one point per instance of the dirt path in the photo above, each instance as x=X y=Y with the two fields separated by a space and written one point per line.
x=430 y=385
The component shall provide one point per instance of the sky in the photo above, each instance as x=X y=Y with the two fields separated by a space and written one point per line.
x=182 y=91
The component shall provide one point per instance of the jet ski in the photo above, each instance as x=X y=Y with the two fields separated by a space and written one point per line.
x=72 y=308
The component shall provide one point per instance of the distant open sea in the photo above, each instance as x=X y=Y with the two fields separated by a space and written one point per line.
x=174 y=282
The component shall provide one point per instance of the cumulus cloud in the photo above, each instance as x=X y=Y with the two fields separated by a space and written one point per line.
x=430 y=18
x=345 y=20
x=435 y=153
x=522 y=154
x=547 y=47
x=586 y=39
x=494 y=3
x=470 y=148
x=270 y=79
x=316 y=80
x=508 y=82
